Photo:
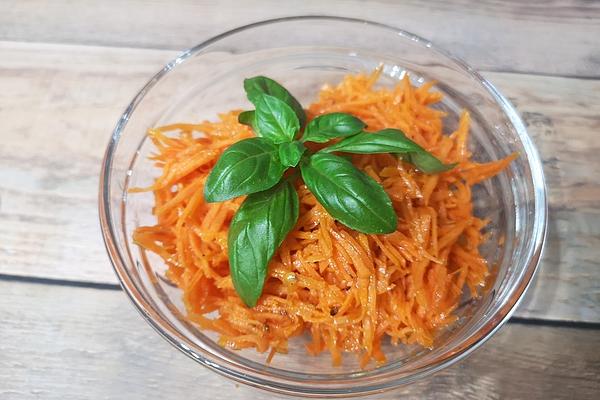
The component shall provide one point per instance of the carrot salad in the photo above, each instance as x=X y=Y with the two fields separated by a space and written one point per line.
x=349 y=291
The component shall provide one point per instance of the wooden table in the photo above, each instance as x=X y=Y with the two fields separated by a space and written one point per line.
x=67 y=70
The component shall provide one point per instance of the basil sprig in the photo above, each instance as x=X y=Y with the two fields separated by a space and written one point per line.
x=256 y=167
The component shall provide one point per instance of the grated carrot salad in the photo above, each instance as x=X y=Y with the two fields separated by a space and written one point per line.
x=348 y=290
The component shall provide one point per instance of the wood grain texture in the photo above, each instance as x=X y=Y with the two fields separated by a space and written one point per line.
x=562 y=116
x=55 y=123
x=549 y=37
x=80 y=343
x=59 y=103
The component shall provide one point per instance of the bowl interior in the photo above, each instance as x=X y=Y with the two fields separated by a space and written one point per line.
x=209 y=81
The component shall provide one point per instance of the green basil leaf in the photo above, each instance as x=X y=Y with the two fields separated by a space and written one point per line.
x=247 y=118
x=391 y=141
x=263 y=85
x=348 y=194
x=384 y=141
x=326 y=127
x=291 y=152
x=260 y=225
x=248 y=166
x=427 y=163
x=275 y=120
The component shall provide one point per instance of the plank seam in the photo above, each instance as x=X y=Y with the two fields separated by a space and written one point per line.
x=58 y=282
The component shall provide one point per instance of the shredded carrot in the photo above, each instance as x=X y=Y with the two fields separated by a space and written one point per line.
x=349 y=291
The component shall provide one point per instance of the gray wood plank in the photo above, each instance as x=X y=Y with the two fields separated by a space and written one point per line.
x=550 y=36
x=59 y=103
x=66 y=343
x=562 y=117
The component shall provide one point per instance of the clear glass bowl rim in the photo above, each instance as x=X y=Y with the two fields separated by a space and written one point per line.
x=298 y=386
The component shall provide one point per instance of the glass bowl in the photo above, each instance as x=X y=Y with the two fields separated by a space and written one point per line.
x=303 y=53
